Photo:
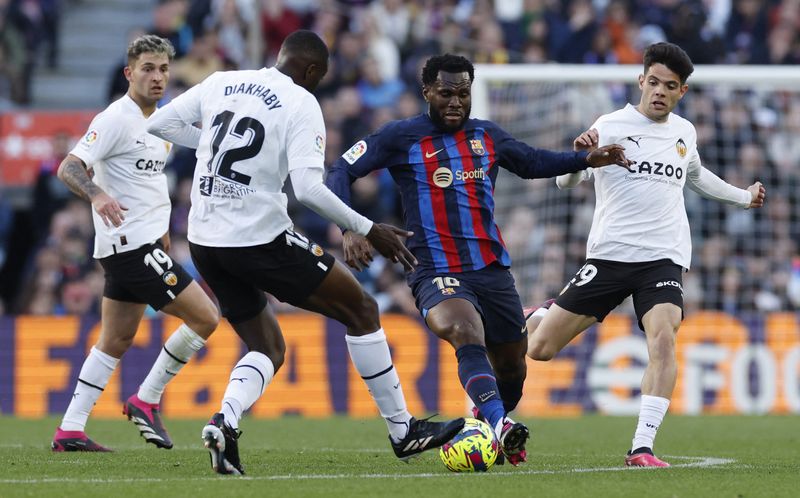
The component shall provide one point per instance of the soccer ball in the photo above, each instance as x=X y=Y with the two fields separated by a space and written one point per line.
x=473 y=449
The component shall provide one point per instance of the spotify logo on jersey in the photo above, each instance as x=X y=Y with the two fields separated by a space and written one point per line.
x=442 y=177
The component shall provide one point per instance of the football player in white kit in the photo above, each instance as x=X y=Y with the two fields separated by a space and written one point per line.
x=131 y=211
x=639 y=243
x=259 y=127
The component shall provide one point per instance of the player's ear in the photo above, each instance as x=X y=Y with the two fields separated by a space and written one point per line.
x=425 y=90
x=309 y=72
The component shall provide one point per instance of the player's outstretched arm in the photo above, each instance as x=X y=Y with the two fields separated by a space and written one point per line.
x=72 y=171
x=310 y=190
x=710 y=186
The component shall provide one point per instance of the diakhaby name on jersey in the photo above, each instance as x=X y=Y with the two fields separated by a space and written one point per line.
x=265 y=94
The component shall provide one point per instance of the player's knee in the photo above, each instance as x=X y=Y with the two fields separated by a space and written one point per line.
x=364 y=315
x=206 y=321
x=661 y=346
x=541 y=351
x=115 y=346
x=461 y=332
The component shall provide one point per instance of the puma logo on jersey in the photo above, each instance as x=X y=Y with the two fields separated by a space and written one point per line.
x=634 y=140
x=240 y=379
x=429 y=155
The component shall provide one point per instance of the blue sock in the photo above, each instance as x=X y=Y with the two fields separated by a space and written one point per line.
x=477 y=377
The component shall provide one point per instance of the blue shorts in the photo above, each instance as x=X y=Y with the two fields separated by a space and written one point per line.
x=491 y=290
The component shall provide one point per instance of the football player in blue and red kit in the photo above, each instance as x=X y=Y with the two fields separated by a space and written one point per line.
x=446 y=165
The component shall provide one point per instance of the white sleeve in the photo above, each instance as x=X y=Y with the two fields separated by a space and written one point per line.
x=305 y=137
x=100 y=140
x=311 y=191
x=710 y=186
x=571 y=180
x=167 y=124
x=172 y=121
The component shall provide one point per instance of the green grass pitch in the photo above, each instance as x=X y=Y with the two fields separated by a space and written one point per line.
x=729 y=456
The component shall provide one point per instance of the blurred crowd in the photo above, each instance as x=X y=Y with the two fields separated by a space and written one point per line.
x=743 y=260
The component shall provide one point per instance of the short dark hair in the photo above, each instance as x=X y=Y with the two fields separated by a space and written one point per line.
x=150 y=44
x=448 y=63
x=672 y=56
x=306 y=43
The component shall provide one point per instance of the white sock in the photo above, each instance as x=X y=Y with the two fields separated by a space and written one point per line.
x=92 y=379
x=373 y=361
x=651 y=414
x=247 y=382
x=177 y=351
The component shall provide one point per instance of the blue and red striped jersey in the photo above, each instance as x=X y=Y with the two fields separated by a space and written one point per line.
x=446 y=183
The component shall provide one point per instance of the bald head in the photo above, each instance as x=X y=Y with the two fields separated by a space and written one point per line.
x=304 y=58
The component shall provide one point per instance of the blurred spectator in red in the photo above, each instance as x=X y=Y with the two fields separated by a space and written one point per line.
x=49 y=193
x=277 y=22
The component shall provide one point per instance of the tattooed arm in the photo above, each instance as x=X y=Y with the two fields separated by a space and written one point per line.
x=72 y=172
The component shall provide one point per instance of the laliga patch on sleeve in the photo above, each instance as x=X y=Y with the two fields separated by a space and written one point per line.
x=356 y=151
x=89 y=138
x=319 y=144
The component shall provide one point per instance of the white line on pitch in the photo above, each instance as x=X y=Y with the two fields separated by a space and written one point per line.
x=706 y=462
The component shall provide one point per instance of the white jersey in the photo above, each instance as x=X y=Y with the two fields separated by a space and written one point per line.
x=639 y=213
x=257 y=126
x=128 y=165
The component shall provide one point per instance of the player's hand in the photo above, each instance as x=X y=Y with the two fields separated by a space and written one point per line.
x=109 y=209
x=608 y=154
x=386 y=239
x=165 y=241
x=759 y=194
x=588 y=141
x=357 y=250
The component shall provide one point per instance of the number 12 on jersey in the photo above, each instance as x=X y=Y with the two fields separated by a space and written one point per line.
x=221 y=162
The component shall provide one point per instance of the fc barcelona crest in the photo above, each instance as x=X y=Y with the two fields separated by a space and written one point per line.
x=681 y=147
x=477 y=147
